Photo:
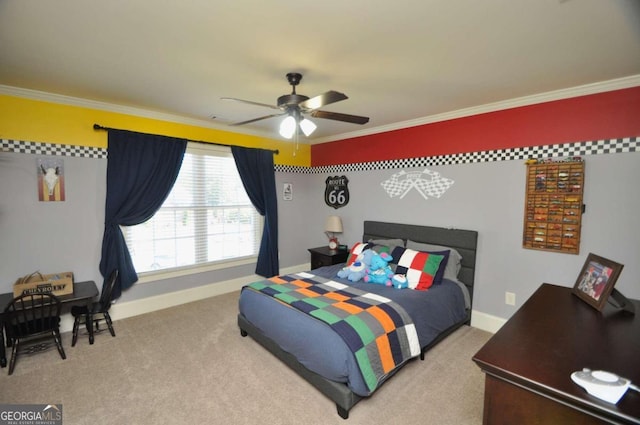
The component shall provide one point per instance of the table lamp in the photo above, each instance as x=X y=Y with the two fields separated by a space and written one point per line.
x=332 y=226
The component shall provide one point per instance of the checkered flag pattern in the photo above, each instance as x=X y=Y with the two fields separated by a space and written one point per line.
x=52 y=149
x=427 y=183
x=379 y=332
x=592 y=147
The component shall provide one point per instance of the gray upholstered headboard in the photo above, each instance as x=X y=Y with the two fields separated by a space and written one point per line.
x=464 y=241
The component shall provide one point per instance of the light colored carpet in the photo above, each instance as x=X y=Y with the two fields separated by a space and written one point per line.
x=189 y=365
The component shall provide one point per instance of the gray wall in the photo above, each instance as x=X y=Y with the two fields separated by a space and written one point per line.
x=67 y=236
x=487 y=197
x=50 y=236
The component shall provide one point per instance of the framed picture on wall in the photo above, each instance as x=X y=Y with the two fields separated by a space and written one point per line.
x=287 y=191
x=51 y=182
x=596 y=280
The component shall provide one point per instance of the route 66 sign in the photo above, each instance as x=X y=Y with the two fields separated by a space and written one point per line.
x=336 y=194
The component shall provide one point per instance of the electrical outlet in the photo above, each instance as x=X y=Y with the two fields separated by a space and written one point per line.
x=510 y=298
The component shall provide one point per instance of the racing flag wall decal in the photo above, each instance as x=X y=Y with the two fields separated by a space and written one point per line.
x=430 y=184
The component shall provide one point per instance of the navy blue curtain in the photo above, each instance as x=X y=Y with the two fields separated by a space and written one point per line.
x=141 y=170
x=255 y=167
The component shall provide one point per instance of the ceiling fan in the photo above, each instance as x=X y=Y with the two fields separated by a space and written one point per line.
x=295 y=106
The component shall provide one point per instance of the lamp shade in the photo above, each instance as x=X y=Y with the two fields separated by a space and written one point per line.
x=333 y=224
x=288 y=127
x=307 y=127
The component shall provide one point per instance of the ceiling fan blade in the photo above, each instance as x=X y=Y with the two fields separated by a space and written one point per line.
x=353 y=119
x=323 y=99
x=250 y=102
x=256 y=119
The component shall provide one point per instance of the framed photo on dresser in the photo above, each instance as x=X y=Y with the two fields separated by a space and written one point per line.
x=596 y=280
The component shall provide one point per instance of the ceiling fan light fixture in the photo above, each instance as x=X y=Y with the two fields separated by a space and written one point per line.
x=308 y=127
x=295 y=105
x=288 y=127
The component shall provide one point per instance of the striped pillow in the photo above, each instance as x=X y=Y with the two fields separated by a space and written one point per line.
x=419 y=267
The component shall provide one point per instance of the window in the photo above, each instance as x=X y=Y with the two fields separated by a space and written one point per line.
x=207 y=218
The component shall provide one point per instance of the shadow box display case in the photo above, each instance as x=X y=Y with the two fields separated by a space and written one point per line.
x=553 y=205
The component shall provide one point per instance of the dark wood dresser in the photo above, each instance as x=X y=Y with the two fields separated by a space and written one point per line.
x=529 y=361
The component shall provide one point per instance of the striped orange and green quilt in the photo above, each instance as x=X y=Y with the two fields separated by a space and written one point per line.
x=377 y=330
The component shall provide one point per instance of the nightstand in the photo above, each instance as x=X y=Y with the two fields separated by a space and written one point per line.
x=323 y=256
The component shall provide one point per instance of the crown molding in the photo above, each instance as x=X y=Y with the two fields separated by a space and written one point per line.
x=115 y=108
x=587 y=89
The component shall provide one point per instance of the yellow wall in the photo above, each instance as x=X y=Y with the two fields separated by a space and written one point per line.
x=39 y=121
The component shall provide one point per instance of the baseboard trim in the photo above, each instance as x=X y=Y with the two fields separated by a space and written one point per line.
x=159 y=302
x=172 y=299
x=486 y=322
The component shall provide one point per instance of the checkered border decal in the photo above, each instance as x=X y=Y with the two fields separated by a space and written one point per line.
x=54 y=149
x=594 y=147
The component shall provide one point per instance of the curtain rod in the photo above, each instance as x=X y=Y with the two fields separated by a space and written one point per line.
x=99 y=127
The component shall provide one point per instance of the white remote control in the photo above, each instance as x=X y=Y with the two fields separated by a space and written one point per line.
x=604 y=385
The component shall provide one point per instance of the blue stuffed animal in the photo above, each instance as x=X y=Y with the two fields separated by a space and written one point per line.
x=356 y=271
x=379 y=271
x=366 y=256
x=399 y=281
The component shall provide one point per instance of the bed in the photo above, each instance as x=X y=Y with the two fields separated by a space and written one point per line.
x=338 y=373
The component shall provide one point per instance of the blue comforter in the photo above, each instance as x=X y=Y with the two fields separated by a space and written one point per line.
x=323 y=351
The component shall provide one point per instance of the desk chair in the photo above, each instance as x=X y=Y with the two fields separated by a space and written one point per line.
x=95 y=312
x=32 y=317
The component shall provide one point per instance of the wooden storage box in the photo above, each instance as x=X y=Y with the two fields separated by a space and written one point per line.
x=56 y=284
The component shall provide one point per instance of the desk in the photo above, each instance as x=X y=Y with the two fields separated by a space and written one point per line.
x=83 y=292
x=528 y=362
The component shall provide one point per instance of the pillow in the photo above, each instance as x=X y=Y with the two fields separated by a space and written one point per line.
x=437 y=279
x=419 y=267
x=453 y=264
x=356 y=250
x=385 y=245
